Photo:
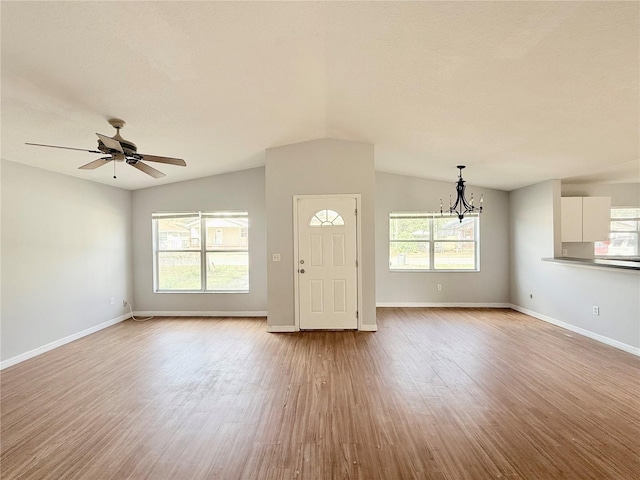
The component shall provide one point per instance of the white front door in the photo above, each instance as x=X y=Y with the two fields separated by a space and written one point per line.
x=327 y=263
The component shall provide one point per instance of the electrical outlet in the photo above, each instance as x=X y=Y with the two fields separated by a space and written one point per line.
x=564 y=252
x=596 y=310
x=112 y=300
x=124 y=303
x=275 y=257
x=439 y=287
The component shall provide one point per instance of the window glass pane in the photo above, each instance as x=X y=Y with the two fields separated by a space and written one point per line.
x=179 y=271
x=408 y=255
x=224 y=233
x=450 y=228
x=623 y=236
x=625 y=213
x=619 y=244
x=415 y=236
x=179 y=233
x=326 y=218
x=454 y=255
x=624 y=225
x=334 y=218
x=601 y=248
x=228 y=271
x=181 y=245
x=408 y=228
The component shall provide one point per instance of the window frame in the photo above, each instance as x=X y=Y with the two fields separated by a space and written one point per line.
x=431 y=217
x=203 y=249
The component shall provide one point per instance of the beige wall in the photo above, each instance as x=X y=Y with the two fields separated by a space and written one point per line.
x=622 y=194
x=565 y=294
x=66 y=250
x=243 y=190
x=489 y=286
x=315 y=167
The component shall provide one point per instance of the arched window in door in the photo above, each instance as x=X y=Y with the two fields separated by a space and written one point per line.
x=326 y=218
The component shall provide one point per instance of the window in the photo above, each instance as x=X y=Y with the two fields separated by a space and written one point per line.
x=424 y=241
x=201 y=252
x=623 y=236
x=325 y=218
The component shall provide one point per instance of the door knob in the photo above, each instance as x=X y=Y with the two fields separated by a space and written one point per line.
x=302 y=270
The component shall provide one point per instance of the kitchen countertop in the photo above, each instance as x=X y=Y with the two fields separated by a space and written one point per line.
x=633 y=265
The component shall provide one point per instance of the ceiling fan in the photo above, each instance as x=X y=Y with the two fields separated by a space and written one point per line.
x=118 y=149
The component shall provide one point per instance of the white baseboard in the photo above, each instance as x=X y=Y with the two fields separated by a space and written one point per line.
x=595 y=336
x=154 y=313
x=281 y=328
x=58 y=343
x=291 y=328
x=442 y=305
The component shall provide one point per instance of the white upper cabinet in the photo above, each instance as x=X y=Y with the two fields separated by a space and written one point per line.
x=585 y=219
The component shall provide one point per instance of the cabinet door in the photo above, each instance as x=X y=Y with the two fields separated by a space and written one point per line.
x=596 y=216
x=571 y=216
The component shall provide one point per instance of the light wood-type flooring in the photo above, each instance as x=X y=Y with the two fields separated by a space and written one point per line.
x=434 y=394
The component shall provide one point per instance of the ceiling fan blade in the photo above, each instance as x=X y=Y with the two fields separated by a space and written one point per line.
x=143 y=167
x=110 y=143
x=96 y=163
x=65 y=148
x=169 y=160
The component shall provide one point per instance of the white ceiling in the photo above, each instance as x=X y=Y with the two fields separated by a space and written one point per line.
x=520 y=92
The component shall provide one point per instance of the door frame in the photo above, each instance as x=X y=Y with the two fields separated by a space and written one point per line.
x=296 y=259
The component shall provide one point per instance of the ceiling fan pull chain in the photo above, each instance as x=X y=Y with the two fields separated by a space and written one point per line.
x=114 y=169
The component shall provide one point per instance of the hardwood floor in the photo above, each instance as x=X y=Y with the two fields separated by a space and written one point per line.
x=434 y=394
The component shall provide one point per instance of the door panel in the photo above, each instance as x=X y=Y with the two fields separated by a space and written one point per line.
x=338 y=250
x=339 y=296
x=327 y=266
x=316 y=297
x=316 y=250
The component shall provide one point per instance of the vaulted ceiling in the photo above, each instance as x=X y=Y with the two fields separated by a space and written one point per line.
x=520 y=92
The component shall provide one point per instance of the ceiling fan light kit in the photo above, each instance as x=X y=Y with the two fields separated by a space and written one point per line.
x=119 y=149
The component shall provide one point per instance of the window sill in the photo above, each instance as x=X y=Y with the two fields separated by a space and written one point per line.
x=415 y=270
x=197 y=292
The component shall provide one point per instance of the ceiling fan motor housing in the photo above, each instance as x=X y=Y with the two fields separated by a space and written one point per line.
x=128 y=147
x=118 y=123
